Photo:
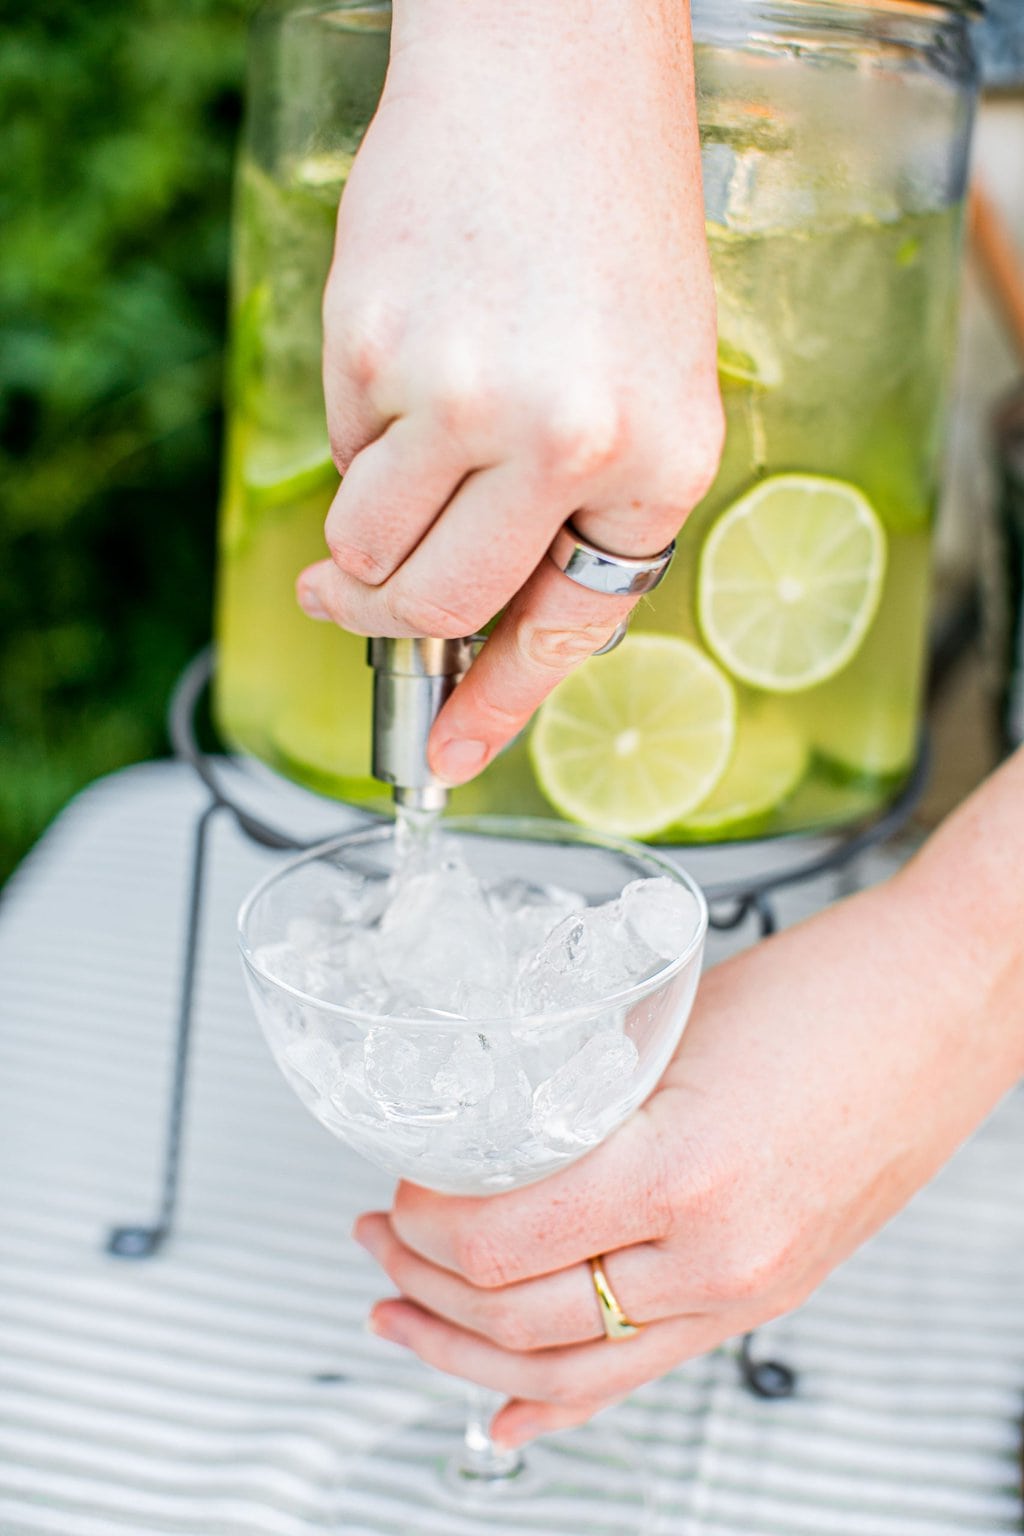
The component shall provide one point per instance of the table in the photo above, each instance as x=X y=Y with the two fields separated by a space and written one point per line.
x=217 y=1389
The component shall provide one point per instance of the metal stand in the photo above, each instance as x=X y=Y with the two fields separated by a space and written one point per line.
x=731 y=902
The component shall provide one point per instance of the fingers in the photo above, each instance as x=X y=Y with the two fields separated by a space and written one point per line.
x=392 y=492
x=520 y=1420
x=534 y=1314
x=352 y=418
x=549 y=629
x=489 y=539
x=616 y=1196
x=581 y=1376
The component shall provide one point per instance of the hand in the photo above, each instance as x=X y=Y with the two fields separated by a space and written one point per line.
x=519 y=328
x=823 y=1078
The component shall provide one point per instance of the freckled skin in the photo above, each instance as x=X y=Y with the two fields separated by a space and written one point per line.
x=519 y=315
x=824 y=1076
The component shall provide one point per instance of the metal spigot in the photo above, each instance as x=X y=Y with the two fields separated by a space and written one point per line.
x=412 y=679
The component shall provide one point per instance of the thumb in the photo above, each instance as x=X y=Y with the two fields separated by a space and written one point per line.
x=549 y=628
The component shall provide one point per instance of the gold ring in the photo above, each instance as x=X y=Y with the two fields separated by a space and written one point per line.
x=615 y=1322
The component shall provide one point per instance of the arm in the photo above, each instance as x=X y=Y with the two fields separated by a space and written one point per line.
x=825 y=1076
x=519 y=328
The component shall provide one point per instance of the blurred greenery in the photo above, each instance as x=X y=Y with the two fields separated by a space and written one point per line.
x=118 y=127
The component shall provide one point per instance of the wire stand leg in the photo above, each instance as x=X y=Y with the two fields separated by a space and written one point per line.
x=143 y=1242
x=764 y=1378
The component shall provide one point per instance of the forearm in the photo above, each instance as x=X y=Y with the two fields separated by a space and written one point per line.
x=628 y=63
x=882 y=1031
x=963 y=896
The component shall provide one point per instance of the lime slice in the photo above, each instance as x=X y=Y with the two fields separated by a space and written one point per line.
x=790 y=579
x=636 y=739
x=769 y=762
x=867 y=737
x=277 y=472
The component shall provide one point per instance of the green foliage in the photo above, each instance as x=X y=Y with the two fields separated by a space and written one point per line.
x=118 y=126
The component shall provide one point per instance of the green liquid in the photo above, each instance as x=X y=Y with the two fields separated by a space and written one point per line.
x=834 y=353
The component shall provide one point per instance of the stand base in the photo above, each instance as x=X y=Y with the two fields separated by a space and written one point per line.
x=582 y=1480
x=135 y=1242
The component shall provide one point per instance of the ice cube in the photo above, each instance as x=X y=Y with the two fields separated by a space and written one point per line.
x=583 y=1100
x=328 y=1078
x=662 y=914
x=427 y=1074
x=491 y=1131
x=438 y=940
x=583 y=960
x=316 y=1061
x=527 y=913
x=283 y=962
x=311 y=934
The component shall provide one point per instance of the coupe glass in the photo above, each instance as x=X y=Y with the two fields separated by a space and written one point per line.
x=474 y=1108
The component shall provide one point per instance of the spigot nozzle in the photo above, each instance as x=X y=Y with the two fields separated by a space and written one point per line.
x=412 y=679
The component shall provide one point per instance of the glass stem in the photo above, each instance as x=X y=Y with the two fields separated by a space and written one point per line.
x=480 y=1457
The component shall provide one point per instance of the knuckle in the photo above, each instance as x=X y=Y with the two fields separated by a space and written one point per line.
x=363 y=564
x=580 y=445
x=709 y=446
x=494 y=717
x=359 y=335
x=749 y=1276
x=342 y=449
x=480 y=1257
x=688 y=468
x=423 y=616
x=509 y=1327
x=557 y=650
x=460 y=411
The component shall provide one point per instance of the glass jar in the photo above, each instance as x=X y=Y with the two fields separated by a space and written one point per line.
x=835 y=141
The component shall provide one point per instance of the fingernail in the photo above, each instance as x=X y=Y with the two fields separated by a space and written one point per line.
x=386 y=1328
x=366 y=1239
x=459 y=759
x=310 y=603
x=510 y=1438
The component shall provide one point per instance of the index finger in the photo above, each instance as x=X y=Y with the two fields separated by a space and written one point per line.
x=550 y=627
x=614 y=1197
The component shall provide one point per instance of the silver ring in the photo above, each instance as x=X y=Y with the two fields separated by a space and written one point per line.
x=617 y=636
x=600 y=571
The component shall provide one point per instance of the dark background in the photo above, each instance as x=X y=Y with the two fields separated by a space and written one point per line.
x=117 y=126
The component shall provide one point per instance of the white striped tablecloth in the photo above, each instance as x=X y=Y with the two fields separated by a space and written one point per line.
x=218 y=1389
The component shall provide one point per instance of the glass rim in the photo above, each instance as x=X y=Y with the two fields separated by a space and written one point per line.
x=532 y=828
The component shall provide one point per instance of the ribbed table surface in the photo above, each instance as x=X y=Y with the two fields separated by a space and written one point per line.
x=220 y=1388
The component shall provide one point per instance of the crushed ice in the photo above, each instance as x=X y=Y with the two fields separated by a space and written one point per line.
x=432 y=949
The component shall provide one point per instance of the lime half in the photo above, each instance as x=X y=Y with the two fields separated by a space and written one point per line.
x=769 y=762
x=635 y=740
x=790 y=579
